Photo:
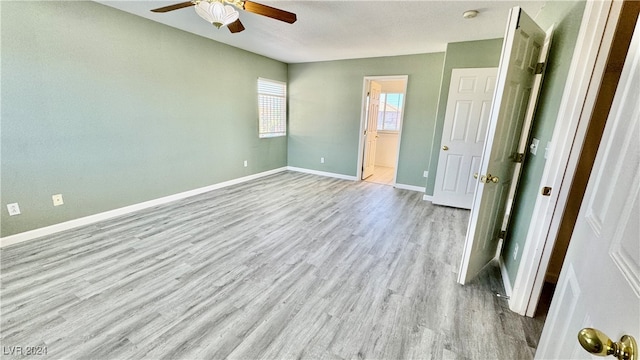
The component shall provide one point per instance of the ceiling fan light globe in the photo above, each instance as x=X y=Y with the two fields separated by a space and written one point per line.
x=217 y=14
x=230 y=16
x=203 y=10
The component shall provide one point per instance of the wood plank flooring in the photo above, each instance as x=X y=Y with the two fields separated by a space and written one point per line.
x=287 y=266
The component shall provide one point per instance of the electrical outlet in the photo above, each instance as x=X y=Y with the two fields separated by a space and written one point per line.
x=425 y=174
x=57 y=200
x=246 y=163
x=515 y=252
x=14 y=209
x=321 y=160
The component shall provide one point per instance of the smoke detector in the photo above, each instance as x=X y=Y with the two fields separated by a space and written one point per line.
x=470 y=14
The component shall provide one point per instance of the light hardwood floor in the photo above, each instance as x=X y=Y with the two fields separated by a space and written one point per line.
x=287 y=266
x=382 y=175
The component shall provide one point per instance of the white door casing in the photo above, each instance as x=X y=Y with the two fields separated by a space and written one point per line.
x=384 y=80
x=513 y=103
x=599 y=284
x=463 y=135
x=371 y=132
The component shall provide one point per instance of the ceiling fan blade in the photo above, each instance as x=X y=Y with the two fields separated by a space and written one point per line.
x=269 y=11
x=173 y=7
x=236 y=26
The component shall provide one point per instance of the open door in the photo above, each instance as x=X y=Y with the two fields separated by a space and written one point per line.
x=371 y=132
x=525 y=47
x=599 y=284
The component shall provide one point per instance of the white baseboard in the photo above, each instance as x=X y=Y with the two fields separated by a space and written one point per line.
x=426 y=197
x=505 y=278
x=322 y=173
x=87 y=220
x=352 y=178
x=410 y=187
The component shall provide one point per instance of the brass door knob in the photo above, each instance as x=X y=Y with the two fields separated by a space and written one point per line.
x=488 y=179
x=597 y=343
x=445 y=148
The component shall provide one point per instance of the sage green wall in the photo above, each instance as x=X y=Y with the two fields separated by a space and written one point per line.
x=325 y=102
x=468 y=54
x=567 y=16
x=110 y=110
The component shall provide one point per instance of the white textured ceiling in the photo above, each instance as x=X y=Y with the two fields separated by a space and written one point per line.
x=332 y=30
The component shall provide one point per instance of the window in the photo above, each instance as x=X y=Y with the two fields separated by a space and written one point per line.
x=389 y=111
x=272 y=108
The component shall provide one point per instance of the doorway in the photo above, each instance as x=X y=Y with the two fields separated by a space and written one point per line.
x=595 y=70
x=383 y=102
x=586 y=157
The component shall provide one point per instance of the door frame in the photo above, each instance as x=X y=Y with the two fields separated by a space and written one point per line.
x=585 y=75
x=597 y=261
x=363 y=120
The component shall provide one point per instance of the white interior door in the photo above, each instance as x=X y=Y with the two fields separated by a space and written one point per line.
x=371 y=132
x=463 y=135
x=512 y=105
x=599 y=285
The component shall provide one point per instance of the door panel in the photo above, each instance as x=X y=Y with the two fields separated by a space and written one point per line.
x=454 y=163
x=371 y=133
x=509 y=123
x=461 y=120
x=465 y=129
x=481 y=133
x=599 y=284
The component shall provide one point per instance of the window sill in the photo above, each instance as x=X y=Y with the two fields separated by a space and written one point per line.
x=271 y=136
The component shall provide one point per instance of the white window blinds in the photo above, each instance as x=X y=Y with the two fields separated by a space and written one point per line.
x=272 y=108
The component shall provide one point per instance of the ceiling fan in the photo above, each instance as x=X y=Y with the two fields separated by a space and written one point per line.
x=219 y=14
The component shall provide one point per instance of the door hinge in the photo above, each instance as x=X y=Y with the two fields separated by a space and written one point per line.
x=518 y=157
x=539 y=68
x=546 y=191
x=503 y=234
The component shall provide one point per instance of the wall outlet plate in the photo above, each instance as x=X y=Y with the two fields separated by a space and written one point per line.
x=246 y=163
x=57 y=199
x=425 y=174
x=321 y=160
x=13 y=209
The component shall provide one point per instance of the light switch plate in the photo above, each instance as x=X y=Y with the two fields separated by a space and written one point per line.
x=533 y=148
x=547 y=149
